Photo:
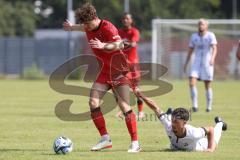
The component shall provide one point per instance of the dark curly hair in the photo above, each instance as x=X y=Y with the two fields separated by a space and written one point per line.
x=181 y=113
x=86 y=13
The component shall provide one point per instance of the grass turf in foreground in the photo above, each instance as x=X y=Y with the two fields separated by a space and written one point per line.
x=28 y=124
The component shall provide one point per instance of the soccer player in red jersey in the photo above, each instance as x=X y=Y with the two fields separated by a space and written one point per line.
x=106 y=44
x=130 y=36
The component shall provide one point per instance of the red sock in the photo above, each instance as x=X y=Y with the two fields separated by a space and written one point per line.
x=99 y=121
x=131 y=123
x=140 y=105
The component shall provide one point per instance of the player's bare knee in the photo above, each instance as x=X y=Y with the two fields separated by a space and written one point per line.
x=192 y=83
x=93 y=103
x=207 y=85
x=124 y=106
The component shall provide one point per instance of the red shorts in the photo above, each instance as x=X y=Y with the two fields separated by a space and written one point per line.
x=113 y=80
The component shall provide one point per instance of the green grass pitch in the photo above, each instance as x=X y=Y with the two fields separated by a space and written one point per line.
x=28 y=124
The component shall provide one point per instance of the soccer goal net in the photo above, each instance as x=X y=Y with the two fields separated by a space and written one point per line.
x=170 y=40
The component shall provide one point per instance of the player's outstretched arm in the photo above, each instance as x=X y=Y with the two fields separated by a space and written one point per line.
x=112 y=46
x=210 y=137
x=133 y=41
x=150 y=103
x=190 y=51
x=129 y=44
x=67 y=26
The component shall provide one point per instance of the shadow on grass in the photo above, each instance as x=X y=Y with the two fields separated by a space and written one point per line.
x=51 y=153
x=158 y=150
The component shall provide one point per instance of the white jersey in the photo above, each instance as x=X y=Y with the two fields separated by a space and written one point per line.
x=202 y=46
x=193 y=141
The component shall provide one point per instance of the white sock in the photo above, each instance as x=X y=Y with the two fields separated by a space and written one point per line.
x=209 y=96
x=134 y=143
x=218 y=131
x=194 y=96
x=105 y=137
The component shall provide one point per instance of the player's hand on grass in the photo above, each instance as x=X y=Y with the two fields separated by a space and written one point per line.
x=96 y=43
x=67 y=26
x=120 y=115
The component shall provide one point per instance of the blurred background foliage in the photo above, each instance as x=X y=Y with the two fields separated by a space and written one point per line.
x=22 y=17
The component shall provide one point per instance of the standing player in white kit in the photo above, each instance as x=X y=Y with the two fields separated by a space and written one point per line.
x=204 y=46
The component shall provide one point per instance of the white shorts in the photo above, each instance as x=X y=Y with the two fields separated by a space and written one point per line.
x=204 y=72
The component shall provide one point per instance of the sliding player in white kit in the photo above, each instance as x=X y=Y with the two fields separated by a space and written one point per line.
x=183 y=136
x=204 y=46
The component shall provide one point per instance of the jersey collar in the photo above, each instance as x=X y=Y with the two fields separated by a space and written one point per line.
x=99 y=26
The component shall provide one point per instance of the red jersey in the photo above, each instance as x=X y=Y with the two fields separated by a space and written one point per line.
x=131 y=35
x=106 y=32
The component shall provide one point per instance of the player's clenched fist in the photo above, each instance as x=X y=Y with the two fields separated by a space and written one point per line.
x=96 y=43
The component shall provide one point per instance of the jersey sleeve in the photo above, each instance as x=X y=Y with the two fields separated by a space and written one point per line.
x=135 y=36
x=191 y=42
x=213 y=39
x=111 y=33
x=166 y=121
x=197 y=133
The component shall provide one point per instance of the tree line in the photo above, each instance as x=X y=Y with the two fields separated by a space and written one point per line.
x=22 y=17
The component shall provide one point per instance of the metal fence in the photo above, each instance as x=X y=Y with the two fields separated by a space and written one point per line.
x=16 y=54
x=19 y=53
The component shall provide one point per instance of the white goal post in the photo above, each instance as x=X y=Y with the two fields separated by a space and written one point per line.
x=170 y=44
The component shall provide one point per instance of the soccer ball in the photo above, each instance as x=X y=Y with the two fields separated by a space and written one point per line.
x=62 y=145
